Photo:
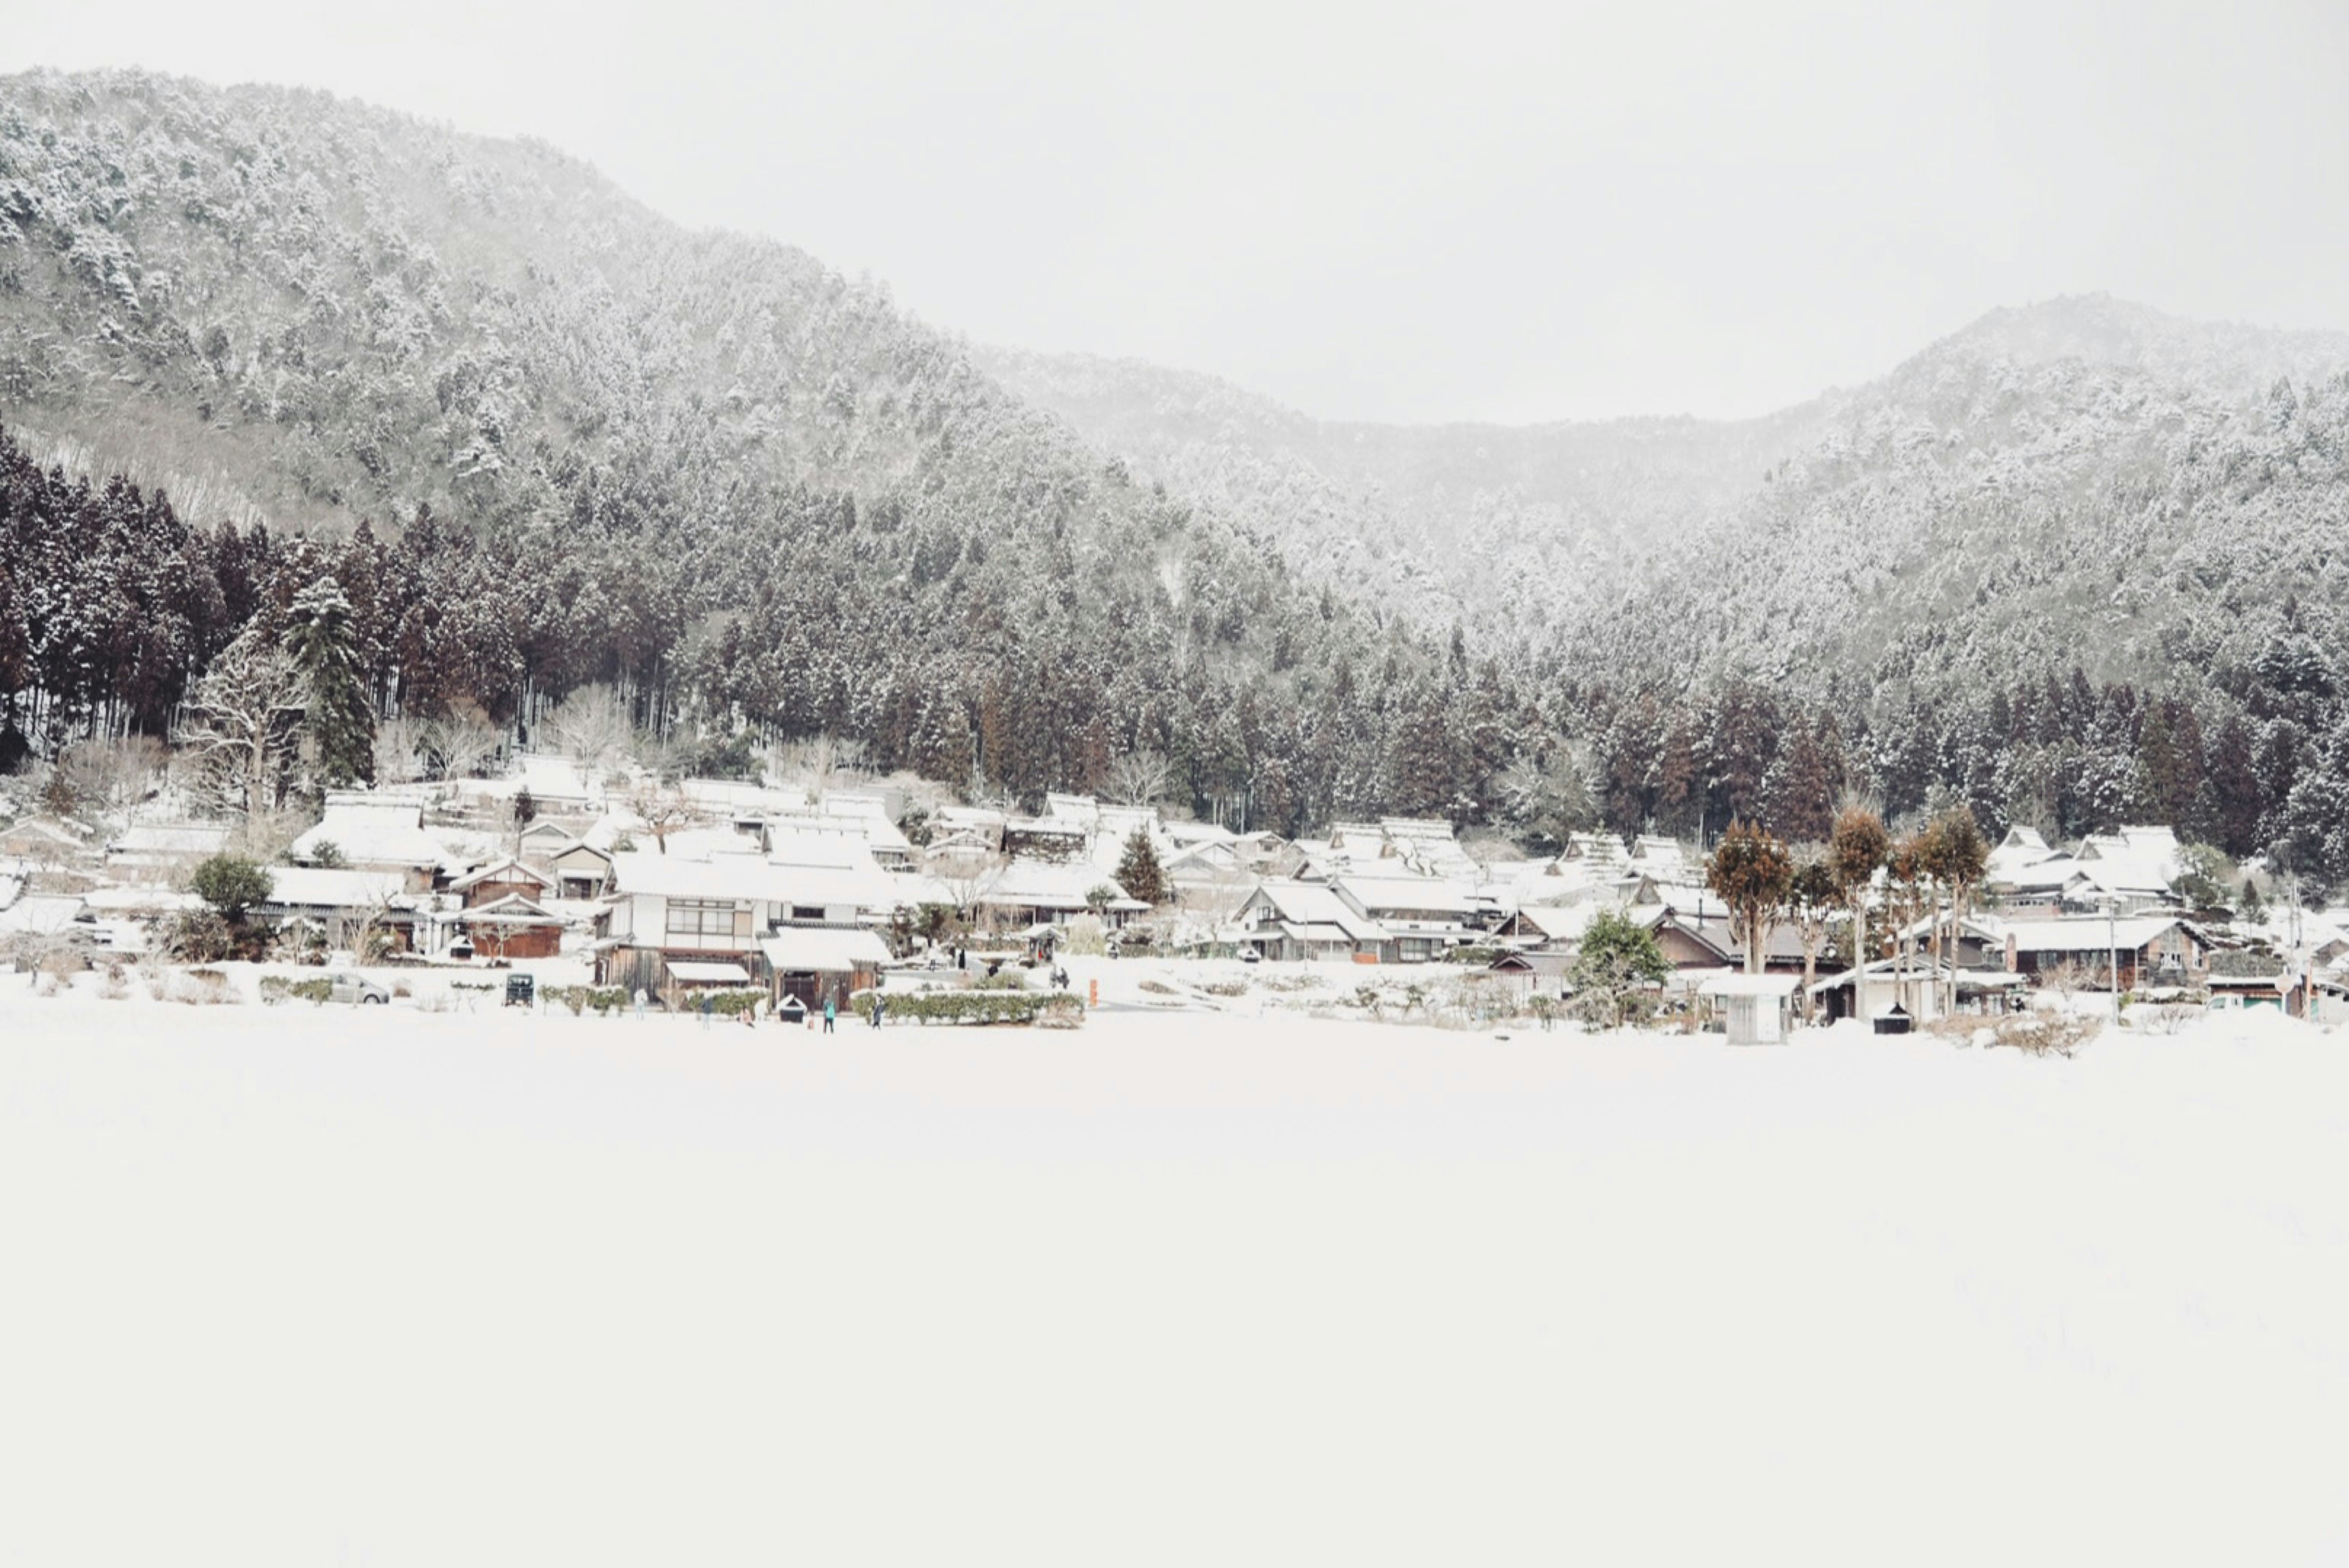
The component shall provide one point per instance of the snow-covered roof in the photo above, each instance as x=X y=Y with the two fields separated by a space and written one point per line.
x=1434 y=894
x=1749 y=985
x=43 y=913
x=136 y=899
x=511 y=910
x=746 y=877
x=1052 y=884
x=171 y=839
x=323 y=887
x=824 y=949
x=706 y=972
x=508 y=870
x=375 y=832
x=1316 y=904
x=2094 y=934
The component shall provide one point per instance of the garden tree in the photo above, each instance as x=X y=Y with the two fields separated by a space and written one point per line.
x=2203 y=874
x=338 y=720
x=661 y=807
x=1618 y=962
x=1138 y=871
x=1955 y=855
x=241 y=724
x=1814 y=898
x=523 y=812
x=1858 y=849
x=2254 y=907
x=231 y=885
x=1751 y=872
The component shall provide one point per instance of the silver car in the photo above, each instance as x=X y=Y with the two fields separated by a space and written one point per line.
x=342 y=985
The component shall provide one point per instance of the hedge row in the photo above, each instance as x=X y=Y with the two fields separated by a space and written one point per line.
x=974 y=1006
x=606 y=999
x=278 y=988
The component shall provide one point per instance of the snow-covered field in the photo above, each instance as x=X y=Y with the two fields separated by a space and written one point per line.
x=375 y=1286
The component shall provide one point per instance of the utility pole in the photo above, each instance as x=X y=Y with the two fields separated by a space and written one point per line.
x=2113 y=940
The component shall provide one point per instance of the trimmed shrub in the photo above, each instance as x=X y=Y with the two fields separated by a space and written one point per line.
x=275 y=988
x=976 y=1006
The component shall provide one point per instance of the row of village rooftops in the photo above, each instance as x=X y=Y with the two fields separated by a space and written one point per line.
x=744 y=862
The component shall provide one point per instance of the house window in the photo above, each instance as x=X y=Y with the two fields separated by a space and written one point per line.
x=694 y=918
x=807 y=911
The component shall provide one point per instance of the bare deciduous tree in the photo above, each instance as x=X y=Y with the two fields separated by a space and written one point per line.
x=592 y=728
x=240 y=727
x=663 y=810
x=966 y=875
x=456 y=747
x=114 y=773
x=1137 y=779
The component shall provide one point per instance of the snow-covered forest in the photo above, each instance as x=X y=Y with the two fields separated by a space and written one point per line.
x=2069 y=569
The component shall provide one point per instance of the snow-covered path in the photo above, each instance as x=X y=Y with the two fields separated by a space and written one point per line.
x=376 y=1286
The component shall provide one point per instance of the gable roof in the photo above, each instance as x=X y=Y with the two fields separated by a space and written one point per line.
x=330 y=887
x=507 y=870
x=1314 y=904
x=511 y=910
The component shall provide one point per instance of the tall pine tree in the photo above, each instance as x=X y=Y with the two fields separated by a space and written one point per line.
x=338 y=720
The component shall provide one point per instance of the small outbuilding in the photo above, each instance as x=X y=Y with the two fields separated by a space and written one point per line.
x=1759 y=1007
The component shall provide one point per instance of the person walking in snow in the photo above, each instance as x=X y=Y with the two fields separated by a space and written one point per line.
x=831 y=1008
x=705 y=1009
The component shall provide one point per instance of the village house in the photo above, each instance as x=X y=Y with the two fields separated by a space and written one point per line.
x=1297 y=920
x=1424 y=917
x=165 y=850
x=509 y=927
x=500 y=879
x=377 y=832
x=1045 y=837
x=1549 y=928
x=337 y=904
x=46 y=840
x=1028 y=893
x=1918 y=986
x=1694 y=931
x=579 y=870
x=666 y=909
x=2153 y=950
x=1535 y=974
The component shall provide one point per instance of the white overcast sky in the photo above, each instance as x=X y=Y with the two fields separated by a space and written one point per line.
x=1424 y=213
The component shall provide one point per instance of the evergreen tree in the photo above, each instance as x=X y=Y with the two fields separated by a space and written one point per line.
x=1138 y=871
x=1618 y=962
x=1755 y=875
x=338 y=721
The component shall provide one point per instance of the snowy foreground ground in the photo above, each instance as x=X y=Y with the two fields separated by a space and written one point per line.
x=303 y=1285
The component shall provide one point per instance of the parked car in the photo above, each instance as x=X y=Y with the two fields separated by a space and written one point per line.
x=342 y=985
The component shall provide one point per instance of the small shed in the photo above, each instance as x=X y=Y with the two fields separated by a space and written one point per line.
x=816 y=962
x=1759 y=1007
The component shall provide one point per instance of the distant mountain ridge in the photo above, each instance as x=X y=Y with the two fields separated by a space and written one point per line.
x=1564 y=534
